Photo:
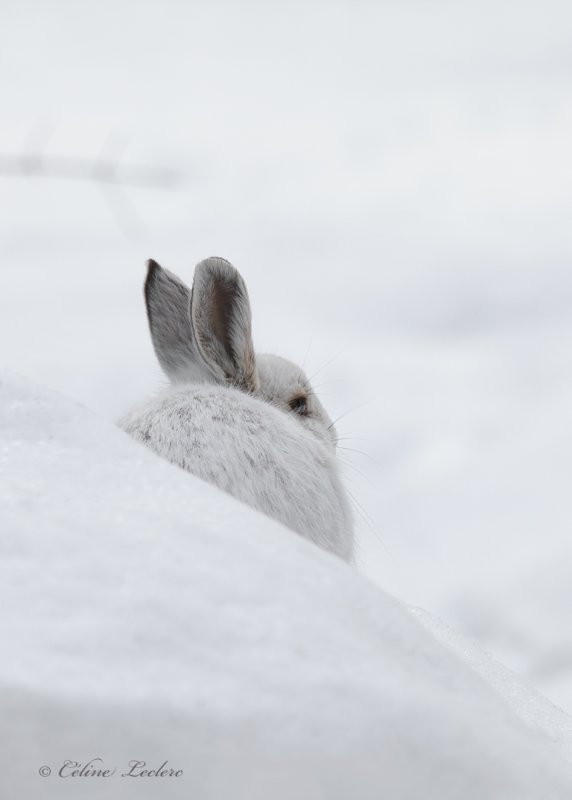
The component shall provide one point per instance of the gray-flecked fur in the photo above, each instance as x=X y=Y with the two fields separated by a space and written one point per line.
x=227 y=416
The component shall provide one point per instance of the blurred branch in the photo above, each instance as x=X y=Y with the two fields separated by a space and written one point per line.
x=106 y=170
x=85 y=169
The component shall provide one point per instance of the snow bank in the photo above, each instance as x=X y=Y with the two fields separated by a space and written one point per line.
x=147 y=616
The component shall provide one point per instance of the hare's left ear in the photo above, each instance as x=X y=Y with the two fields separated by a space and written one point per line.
x=168 y=303
x=221 y=319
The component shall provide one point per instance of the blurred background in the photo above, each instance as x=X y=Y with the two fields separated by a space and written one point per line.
x=394 y=181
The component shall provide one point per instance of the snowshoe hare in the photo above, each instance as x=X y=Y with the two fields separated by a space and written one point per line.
x=248 y=423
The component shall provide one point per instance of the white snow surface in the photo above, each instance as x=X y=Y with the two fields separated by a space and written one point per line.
x=146 y=615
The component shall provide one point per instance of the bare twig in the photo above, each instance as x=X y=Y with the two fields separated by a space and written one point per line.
x=106 y=170
x=37 y=165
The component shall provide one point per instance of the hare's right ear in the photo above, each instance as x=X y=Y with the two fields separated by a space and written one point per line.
x=168 y=303
x=221 y=319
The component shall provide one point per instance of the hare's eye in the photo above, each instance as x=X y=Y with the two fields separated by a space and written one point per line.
x=299 y=405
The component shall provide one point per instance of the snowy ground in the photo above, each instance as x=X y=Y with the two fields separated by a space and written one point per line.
x=394 y=181
x=149 y=617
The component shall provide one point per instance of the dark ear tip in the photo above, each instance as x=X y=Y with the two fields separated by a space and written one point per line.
x=216 y=267
x=153 y=270
x=152 y=265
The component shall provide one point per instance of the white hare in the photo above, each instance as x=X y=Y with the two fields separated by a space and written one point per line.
x=248 y=423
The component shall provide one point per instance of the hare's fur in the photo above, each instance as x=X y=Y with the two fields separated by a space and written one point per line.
x=228 y=415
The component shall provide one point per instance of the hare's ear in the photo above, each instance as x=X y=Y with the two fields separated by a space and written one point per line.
x=220 y=313
x=168 y=303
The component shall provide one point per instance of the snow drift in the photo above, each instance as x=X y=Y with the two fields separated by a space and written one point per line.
x=148 y=616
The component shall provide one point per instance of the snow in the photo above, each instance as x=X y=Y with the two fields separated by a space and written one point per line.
x=394 y=182
x=148 y=616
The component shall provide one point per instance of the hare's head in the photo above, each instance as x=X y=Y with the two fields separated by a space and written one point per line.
x=203 y=335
